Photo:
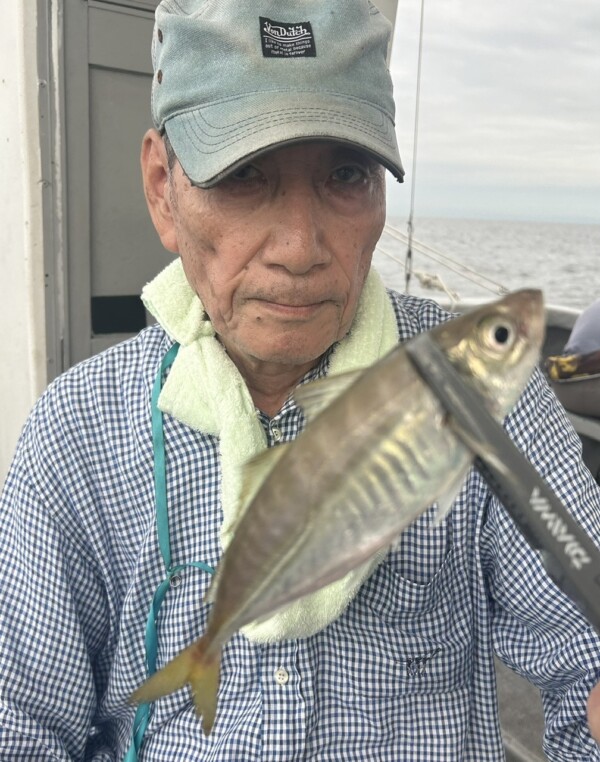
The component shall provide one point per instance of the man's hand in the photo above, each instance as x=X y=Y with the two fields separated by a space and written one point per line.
x=593 y=712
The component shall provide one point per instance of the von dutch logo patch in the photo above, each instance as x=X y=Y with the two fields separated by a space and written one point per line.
x=283 y=40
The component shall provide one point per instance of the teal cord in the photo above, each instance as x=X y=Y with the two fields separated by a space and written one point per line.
x=160 y=467
x=142 y=715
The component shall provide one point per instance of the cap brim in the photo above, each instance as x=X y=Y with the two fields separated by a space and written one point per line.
x=211 y=142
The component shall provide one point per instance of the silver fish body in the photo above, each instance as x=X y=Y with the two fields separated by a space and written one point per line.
x=363 y=469
x=377 y=452
x=369 y=463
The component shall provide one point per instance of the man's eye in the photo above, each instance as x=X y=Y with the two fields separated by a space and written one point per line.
x=246 y=173
x=349 y=174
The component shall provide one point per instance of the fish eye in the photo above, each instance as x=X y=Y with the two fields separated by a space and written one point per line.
x=502 y=334
x=498 y=335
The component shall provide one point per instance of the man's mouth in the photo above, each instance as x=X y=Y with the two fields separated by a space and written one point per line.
x=297 y=310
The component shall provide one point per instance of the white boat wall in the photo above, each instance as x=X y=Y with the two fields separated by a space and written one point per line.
x=22 y=307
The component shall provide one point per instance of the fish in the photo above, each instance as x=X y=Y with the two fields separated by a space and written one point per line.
x=377 y=451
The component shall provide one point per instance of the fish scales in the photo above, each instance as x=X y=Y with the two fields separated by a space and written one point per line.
x=399 y=500
x=367 y=414
x=328 y=452
x=372 y=460
x=329 y=458
x=310 y=538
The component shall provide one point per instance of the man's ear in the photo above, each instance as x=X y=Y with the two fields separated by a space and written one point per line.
x=155 y=175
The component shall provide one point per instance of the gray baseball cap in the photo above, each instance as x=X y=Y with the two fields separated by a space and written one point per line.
x=236 y=78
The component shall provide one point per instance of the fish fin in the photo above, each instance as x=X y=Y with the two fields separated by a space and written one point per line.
x=204 y=684
x=478 y=447
x=254 y=473
x=211 y=592
x=315 y=396
x=447 y=498
x=192 y=666
x=256 y=470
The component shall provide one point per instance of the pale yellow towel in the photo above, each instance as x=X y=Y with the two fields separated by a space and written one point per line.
x=205 y=391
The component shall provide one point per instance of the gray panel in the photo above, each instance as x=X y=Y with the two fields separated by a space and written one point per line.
x=112 y=248
x=145 y=5
x=51 y=112
x=125 y=249
x=120 y=38
x=78 y=314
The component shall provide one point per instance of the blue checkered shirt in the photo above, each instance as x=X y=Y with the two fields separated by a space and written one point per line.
x=406 y=673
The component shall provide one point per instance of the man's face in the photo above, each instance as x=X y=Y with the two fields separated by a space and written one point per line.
x=278 y=252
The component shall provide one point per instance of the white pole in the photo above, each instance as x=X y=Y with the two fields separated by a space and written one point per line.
x=22 y=313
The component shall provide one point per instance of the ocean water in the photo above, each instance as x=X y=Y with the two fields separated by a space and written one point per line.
x=561 y=259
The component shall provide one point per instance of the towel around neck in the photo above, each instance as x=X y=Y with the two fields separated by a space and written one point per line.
x=205 y=391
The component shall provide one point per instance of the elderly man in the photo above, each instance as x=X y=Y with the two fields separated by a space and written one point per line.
x=265 y=174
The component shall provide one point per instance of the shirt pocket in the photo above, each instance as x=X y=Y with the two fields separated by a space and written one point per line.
x=402 y=637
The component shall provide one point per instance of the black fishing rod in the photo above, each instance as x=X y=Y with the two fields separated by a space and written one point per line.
x=570 y=557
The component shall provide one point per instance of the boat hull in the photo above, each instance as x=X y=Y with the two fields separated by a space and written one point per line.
x=579 y=395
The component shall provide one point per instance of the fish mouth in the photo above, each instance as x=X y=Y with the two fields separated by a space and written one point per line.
x=528 y=306
x=533 y=323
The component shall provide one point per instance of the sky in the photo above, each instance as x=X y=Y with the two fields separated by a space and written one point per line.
x=509 y=124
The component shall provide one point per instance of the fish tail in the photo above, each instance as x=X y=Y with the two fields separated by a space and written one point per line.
x=194 y=667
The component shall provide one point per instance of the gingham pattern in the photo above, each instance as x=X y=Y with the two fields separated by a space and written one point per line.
x=405 y=674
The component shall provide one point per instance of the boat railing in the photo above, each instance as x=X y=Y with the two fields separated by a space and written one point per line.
x=433 y=280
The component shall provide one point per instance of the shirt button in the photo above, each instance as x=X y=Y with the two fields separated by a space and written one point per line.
x=281 y=676
x=276 y=433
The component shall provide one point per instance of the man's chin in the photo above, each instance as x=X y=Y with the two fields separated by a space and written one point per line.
x=280 y=343
x=292 y=356
x=290 y=349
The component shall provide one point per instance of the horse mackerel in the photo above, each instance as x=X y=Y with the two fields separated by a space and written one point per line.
x=378 y=450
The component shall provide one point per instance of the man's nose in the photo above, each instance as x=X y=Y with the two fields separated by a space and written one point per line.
x=298 y=231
